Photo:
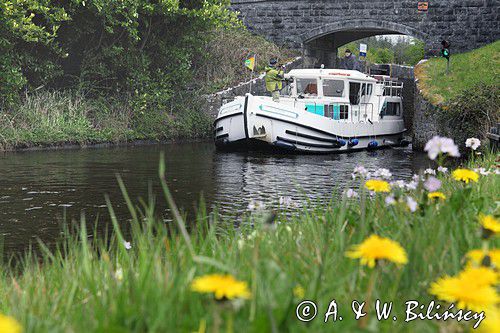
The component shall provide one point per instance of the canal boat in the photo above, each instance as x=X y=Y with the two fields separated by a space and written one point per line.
x=319 y=111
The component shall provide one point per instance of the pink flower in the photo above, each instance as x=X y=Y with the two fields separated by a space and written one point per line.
x=432 y=184
x=389 y=200
x=350 y=193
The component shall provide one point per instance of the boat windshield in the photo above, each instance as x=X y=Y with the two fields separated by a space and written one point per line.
x=333 y=88
x=307 y=87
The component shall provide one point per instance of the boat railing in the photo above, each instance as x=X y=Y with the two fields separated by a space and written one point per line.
x=365 y=111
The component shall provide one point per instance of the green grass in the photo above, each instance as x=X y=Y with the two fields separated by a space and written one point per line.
x=480 y=66
x=59 y=118
x=75 y=288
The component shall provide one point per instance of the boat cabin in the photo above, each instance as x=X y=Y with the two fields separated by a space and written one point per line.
x=345 y=95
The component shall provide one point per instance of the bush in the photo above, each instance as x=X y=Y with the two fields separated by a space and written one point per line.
x=472 y=112
x=224 y=53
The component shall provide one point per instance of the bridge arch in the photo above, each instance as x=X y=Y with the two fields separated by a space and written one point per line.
x=368 y=26
x=321 y=43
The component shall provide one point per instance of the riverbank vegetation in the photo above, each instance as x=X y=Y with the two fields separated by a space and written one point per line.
x=470 y=73
x=382 y=50
x=434 y=237
x=105 y=71
x=468 y=98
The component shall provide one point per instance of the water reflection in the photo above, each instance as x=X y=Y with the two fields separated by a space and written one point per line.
x=242 y=177
x=41 y=190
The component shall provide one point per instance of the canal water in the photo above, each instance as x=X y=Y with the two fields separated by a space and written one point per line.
x=42 y=190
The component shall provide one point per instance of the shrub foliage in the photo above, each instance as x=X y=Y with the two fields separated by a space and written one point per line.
x=139 y=48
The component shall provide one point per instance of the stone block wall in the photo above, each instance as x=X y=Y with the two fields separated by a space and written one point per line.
x=468 y=24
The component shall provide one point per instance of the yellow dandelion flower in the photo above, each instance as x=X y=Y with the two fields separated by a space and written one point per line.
x=490 y=223
x=482 y=276
x=471 y=289
x=378 y=185
x=378 y=248
x=9 y=325
x=476 y=257
x=436 y=195
x=299 y=291
x=491 y=321
x=465 y=175
x=222 y=286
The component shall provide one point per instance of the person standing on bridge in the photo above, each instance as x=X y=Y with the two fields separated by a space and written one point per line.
x=349 y=61
x=274 y=79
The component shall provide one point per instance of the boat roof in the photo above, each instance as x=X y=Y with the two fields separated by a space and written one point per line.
x=330 y=72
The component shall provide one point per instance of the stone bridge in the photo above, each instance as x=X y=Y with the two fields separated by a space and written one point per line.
x=320 y=27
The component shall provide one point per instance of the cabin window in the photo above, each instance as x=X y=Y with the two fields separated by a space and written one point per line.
x=337 y=112
x=354 y=88
x=367 y=89
x=391 y=109
x=307 y=87
x=344 y=112
x=333 y=88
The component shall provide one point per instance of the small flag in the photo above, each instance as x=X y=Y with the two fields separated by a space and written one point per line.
x=250 y=63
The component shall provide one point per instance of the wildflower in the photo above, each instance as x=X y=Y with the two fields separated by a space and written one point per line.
x=222 y=286
x=382 y=173
x=465 y=175
x=416 y=178
x=378 y=248
x=484 y=258
x=127 y=245
x=482 y=276
x=389 y=200
x=471 y=289
x=440 y=145
x=412 y=204
x=491 y=321
x=490 y=224
x=436 y=195
x=350 y=193
x=432 y=184
x=299 y=291
x=377 y=185
x=482 y=171
x=472 y=143
x=9 y=325
x=399 y=183
x=430 y=171
x=412 y=185
x=361 y=171
x=442 y=169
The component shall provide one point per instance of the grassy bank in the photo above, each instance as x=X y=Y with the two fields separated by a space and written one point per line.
x=467 y=71
x=60 y=118
x=142 y=282
x=467 y=99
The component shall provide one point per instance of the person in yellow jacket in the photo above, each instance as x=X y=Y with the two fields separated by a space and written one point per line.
x=274 y=79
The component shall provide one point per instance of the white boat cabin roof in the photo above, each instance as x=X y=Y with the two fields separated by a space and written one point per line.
x=330 y=73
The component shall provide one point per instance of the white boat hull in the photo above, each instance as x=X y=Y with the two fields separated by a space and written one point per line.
x=257 y=121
